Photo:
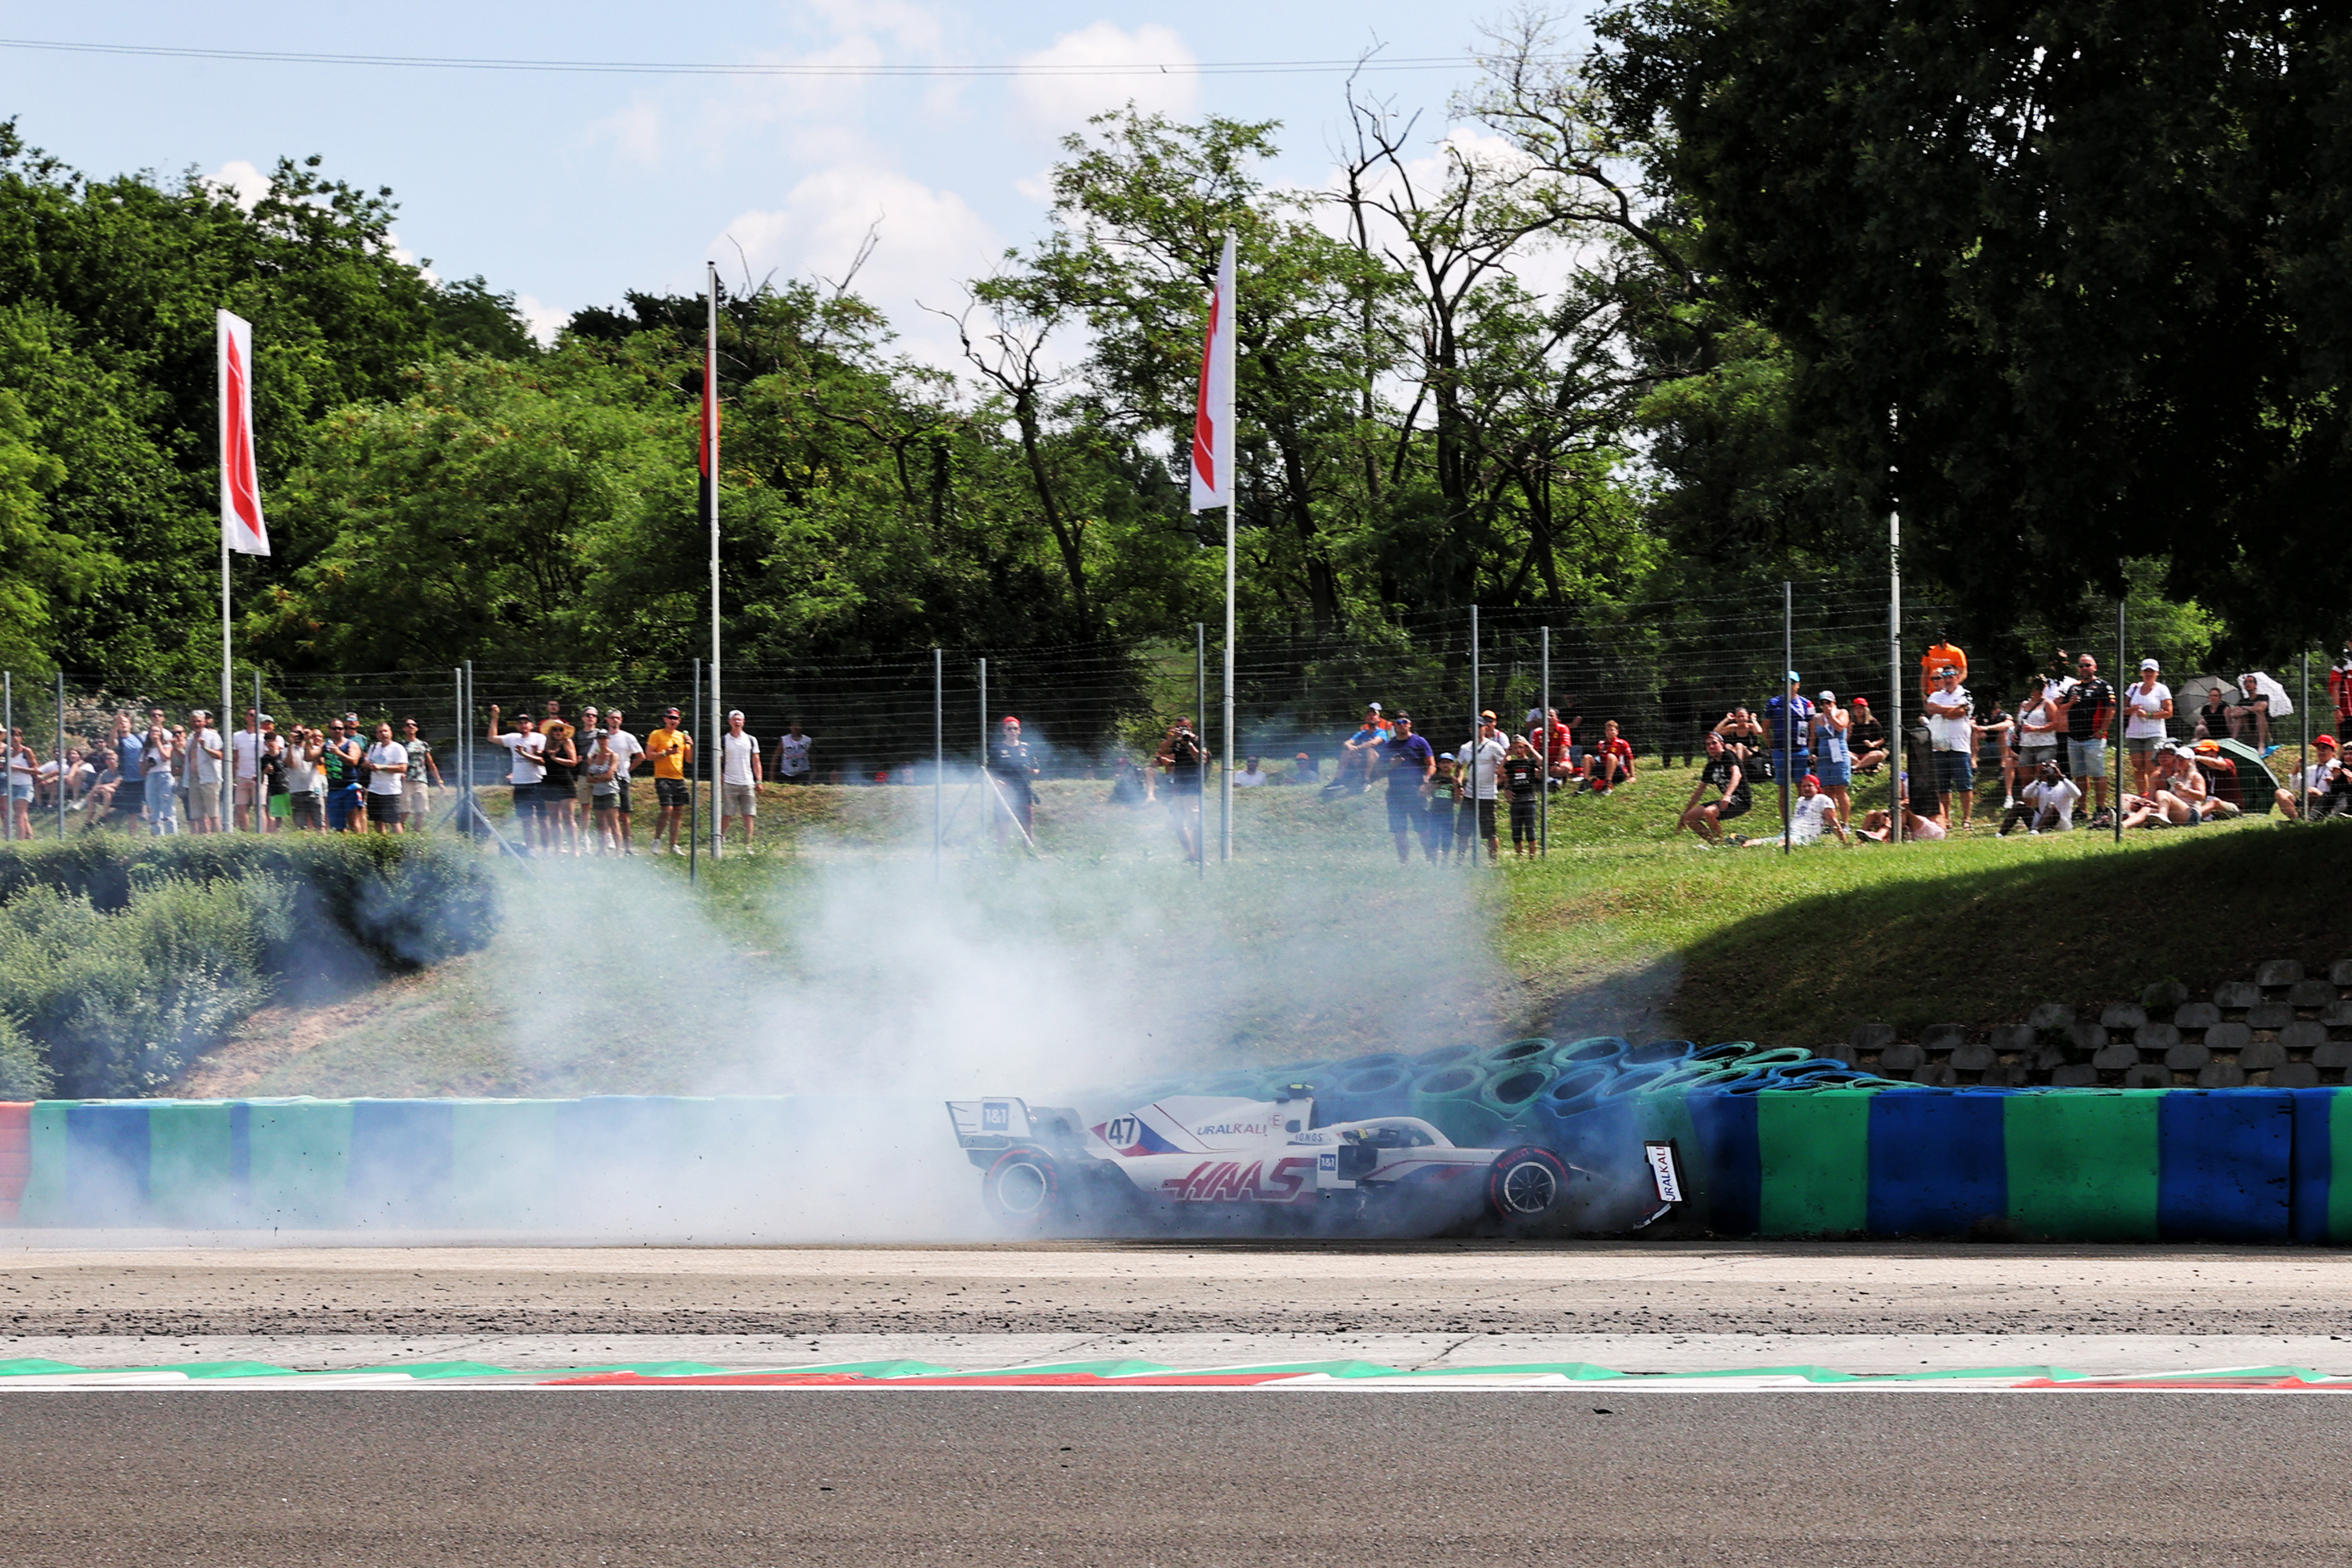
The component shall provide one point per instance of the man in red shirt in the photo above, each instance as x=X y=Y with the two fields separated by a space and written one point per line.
x=1551 y=738
x=1610 y=762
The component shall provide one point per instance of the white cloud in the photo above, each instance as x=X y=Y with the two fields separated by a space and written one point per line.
x=240 y=182
x=927 y=242
x=1058 y=104
x=402 y=253
x=543 y=320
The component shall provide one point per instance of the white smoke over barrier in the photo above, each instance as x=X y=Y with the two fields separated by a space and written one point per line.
x=859 y=981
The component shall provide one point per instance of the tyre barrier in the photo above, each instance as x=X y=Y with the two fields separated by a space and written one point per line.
x=1657 y=1051
x=1601 y=1050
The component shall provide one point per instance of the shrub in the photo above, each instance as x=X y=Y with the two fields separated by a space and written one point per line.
x=121 y=1001
x=22 y=1074
x=404 y=901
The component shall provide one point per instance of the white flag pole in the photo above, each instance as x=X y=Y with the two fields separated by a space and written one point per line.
x=1227 y=429
x=242 y=529
x=710 y=437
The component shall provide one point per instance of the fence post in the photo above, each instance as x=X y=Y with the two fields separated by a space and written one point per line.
x=64 y=778
x=1897 y=754
x=694 y=787
x=1201 y=706
x=2117 y=752
x=1476 y=709
x=939 y=756
x=1787 y=710
x=8 y=746
x=1543 y=754
x=2303 y=752
x=984 y=715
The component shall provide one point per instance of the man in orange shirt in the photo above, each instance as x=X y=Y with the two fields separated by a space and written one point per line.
x=670 y=749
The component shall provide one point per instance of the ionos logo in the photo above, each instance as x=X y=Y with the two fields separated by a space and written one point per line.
x=1232 y=1182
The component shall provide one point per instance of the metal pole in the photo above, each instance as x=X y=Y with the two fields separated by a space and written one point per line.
x=1543 y=752
x=1787 y=710
x=466 y=747
x=984 y=715
x=694 y=787
x=1475 y=709
x=260 y=798
x=2122 y=600
x=939 y=756
x=8 y=746
x=711 y=392
x=2302 y=752
x=228 y=700
x=63 y=776
x=1225 y=791
x=1201 y=706
x=1897 y=754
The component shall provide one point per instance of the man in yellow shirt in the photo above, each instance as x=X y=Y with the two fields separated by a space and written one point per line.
x=671 y=751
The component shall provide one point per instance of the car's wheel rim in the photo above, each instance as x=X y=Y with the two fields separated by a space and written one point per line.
x=1021 y=1189
x=1529 y=1187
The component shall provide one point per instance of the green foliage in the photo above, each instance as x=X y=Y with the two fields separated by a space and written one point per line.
x=404 y=902
x=2093 y=268
x=119 y=1002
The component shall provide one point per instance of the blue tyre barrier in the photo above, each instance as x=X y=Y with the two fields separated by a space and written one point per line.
x=1655 y=1052
x=1599 y=1051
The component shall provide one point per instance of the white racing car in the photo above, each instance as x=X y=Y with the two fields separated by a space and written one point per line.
x=1189 y=1158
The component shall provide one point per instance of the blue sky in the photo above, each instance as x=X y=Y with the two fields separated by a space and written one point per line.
x=569 y=188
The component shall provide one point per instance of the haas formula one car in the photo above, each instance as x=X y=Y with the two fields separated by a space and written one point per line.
x=1195 y=1160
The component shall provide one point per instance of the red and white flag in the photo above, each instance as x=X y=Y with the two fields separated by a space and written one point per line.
x=1212 y=421
x=241 y=525
x=710 y=402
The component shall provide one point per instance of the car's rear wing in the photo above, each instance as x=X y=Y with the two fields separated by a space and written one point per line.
x=1004 y=1124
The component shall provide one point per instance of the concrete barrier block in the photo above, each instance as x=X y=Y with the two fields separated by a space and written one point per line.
x=2269 y=1015
x=2260 y=1056
x=2338 y=1015
x=2278 y=972
x=1943 y=1037
x=1935 y=1075
x=2188 y=1059
x=1974 y=1057
x=2222 y=1075
x=2310 y=994
x=2163 y=995
x=2303 y=1034
x=2227 y=1037
x=1846 y=1052
x=1900 y=1057
x=2195 y=1015
x=2088 y=1036
x=2147 y=1075
x=2332 y=1056
x=1872 y=1036
x=2047 y=1058
x=2056 y=1015
x=2340 y=971
x=2074 y=1075
x=2013 y=1037
x=2123 y=1015
x=2235 y=993
x=2117 y=1056
x=2156 y=1036
x=2295 y=1075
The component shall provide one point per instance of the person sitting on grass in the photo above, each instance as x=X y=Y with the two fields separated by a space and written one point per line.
x=1869 y=739
x=1732 y=800
x=1360 y=753
x=1812 y=814
x=2326 y=787
x=1878 y=827
x=2046 y=804
x=1609 y=763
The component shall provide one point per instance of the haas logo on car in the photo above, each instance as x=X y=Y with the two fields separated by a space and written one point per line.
x=1233 y=1182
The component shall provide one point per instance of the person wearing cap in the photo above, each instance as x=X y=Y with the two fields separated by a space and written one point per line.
x=559 y=816
x=584 y=793
x=2262 y=699
x=1412 y=761
x=2045 y=804
x=1481 y=765
x=626 y=750
x=1609 y=763
x=739 y=776
x=670 y=749
x=424 y=776
x=1810 y=815
x=2326 y=787
x=1012 y=766
x=2148 y=706
x=1361 y=750
x=1867 y=738
x=526 y=748
x=1932 y=663
x=1558 y=744
x=1833 y=755
x=1951 y=737
x=1789 y=731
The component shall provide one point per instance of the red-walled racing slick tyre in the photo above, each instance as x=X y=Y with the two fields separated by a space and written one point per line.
x=1526 y=1184
x=1023 y=1190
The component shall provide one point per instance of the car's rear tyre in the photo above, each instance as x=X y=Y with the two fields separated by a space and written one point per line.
x=1023 y=1190
x=1526 y=1184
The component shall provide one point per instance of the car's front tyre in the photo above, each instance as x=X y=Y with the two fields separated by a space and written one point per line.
x=1526 y=1183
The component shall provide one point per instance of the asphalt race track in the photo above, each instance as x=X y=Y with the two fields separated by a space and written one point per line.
x=279 y=1480
x=250 y=1471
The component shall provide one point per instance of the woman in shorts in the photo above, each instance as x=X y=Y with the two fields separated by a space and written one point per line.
x=559 y=823
x=306 y=781
x=602 y=772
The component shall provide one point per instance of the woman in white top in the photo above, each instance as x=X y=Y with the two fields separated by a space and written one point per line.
x=2149 y=704
x=306 y=781
x=603 y=769
x=22 y=768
